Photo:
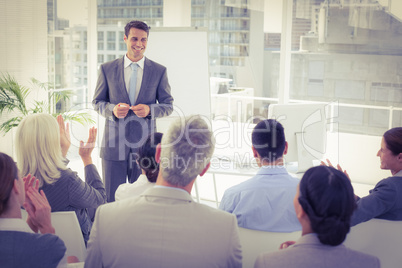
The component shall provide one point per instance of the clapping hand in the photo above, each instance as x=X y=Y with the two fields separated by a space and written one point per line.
x=65 y=140
x=37 y=207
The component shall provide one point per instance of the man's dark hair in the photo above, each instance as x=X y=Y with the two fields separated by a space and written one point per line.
x=146 y=156
x=136 y=24
x=268 y=139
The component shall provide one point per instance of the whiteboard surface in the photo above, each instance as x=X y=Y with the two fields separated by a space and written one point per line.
x=184 y=52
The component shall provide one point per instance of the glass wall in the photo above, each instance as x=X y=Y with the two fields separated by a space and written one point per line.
x=348 y=52
x=67 y=51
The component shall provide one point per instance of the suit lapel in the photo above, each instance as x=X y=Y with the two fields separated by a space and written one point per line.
x=120 y=79
x=146 y=79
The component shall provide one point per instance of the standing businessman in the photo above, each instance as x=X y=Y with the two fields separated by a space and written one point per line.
x=130 y=93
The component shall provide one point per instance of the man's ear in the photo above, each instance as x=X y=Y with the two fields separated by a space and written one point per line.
x=255 y=153
x=205 y=169
x=158 y=153
x=125 y=38
x=285 y=151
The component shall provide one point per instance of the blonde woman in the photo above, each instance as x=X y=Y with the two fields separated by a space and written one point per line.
x=42 y=144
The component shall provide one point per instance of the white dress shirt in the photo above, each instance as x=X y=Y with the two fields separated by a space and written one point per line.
x=127 y=190
x=128 y=71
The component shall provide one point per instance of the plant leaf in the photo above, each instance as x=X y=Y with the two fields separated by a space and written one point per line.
x=9 y=124
x=12 y=95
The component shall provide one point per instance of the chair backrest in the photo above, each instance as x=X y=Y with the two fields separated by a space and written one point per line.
x=255 y=242
x=68 y=229
x=380 y=238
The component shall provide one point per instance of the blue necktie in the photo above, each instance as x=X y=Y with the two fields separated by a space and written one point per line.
x=133 y=82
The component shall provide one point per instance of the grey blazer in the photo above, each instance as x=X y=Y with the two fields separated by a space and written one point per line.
x=383 y=202
x=122 y=134
x=163 y=227
x=70 y=193
x=308 y=252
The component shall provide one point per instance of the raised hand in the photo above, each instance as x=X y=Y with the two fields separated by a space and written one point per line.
x=65 y=140
x=86 y=149
x=338 y=167
x=38 y=210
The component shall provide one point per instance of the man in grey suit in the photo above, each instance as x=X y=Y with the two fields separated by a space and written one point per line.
x=130 y=93
x=164 y=227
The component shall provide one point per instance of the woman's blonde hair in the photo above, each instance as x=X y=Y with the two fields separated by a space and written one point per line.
x=38 y=148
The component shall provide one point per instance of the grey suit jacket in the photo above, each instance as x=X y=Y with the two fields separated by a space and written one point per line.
x=383 y=202
x=122 y=134
x=163 y=227
x=70 y=193
x=308 y=252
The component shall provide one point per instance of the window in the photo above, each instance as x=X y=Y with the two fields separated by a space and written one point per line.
x=111 y=46
x=111 y=57
x=100 y=59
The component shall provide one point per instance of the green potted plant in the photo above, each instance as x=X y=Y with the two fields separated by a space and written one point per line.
x=13 y=98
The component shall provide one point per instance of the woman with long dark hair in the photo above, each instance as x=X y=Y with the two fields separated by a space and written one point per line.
x=324 y=204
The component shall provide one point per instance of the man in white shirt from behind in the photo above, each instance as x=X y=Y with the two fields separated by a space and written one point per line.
x=164 y=227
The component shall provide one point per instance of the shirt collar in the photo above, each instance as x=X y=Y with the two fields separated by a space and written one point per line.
x=398 y=174
x=167 y=187
x=273 y=170
x=14 y=224
x=142 y=178
x=127 y=62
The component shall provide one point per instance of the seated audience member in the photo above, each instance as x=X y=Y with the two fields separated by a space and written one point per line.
x=149 y=167
x=264 y=202
x=20 y=247
x=324 y=205
x=385 y=200
x=41 y=145
x=164 y=227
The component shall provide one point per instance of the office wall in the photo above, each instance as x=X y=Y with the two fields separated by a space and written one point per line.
x=358 y=155
x=23 y=48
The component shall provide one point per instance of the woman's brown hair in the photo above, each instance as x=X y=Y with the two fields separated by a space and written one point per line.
x=8 y=173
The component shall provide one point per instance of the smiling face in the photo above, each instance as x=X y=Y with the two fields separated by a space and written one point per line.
x=136 y=42
x=387 y=158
